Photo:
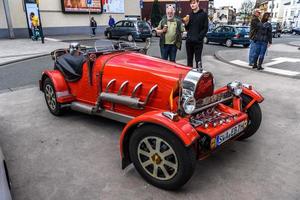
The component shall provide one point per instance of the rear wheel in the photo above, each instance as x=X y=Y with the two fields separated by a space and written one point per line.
x=205 y=40
x=154 y=34
x=50 y=97
x=254 y=115
x=109 y=35
x=130 y=38
x=161 y=158
x=246 y=45
x=228 y=43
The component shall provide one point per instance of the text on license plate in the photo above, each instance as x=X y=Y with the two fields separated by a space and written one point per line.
x=246 y=36
x=231 y=132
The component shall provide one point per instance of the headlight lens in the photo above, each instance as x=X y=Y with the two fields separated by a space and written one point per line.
x=189 y=105
x=235 y=88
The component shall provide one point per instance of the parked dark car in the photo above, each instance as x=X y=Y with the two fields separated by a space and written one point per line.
x=296 y=31
x=286 y=30
x=132 y=29
x=276 y=29
x=229 y=35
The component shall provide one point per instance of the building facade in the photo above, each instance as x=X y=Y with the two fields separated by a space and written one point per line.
x=291 y=14
x=225 y=15
x=55 y=21
x=276 y=7
x=182 y=7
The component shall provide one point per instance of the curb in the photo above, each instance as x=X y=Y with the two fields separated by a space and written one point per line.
x=220 y=58
x=294 y=45
x=24 y=59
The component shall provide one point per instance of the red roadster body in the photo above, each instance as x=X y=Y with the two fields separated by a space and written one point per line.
x=173 y=114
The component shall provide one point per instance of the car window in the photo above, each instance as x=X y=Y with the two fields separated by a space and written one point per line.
x=243 y=29
x=218 y=30
x=226 y=29
x=128 y=24
x=119 y=24
x=143 y=25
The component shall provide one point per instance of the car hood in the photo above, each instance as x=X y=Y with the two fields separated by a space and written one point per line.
x=142 y=65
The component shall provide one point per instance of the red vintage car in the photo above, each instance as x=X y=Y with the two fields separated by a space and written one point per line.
x=173 y=113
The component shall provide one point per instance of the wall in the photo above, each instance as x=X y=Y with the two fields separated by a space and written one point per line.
x=55 y=22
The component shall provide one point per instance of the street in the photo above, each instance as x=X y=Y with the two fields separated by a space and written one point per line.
x=76 y=156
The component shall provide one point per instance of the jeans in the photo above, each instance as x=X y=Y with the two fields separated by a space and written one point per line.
x=260 y=51
x=168 y=52
x=251 y=52
x=191 y=50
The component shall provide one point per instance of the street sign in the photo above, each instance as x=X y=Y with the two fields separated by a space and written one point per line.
x=89 y=2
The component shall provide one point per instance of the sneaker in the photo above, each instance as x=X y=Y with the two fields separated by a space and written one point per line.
x=251 y=64
x=254 y=66
x=260 y=68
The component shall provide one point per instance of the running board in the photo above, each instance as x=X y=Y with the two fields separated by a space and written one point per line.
x=87 y=109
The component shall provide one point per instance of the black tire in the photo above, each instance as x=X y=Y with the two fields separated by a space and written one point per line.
x=246 y=45
x=185 y=158
x=205 y=40
x=144 y=39
x=50 y=98
x=255 y=117
x=109 y=35
x=154 y=33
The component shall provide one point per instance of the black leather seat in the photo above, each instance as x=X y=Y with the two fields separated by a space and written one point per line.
x=70 y=66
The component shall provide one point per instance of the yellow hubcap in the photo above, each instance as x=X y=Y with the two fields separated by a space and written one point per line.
x=156 y=159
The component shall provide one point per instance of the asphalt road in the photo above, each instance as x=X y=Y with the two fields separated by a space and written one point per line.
x=28 y=72
x=76 y=156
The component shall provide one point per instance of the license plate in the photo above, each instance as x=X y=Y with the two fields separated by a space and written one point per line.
x=230 y=133
x=246 y=36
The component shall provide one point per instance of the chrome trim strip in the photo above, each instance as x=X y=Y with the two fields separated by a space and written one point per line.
x=213 y=104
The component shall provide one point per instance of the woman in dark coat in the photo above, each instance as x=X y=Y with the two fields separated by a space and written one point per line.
x=263 y=39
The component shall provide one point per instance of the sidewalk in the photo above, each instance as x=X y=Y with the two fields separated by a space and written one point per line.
x=280 y=59
x=22 y=49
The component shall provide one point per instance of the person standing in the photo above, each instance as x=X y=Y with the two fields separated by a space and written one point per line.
x=170 y=30
x=263 y=40
x=93 y=25
x=111 y=21
x=253 y=30
x=196 y=25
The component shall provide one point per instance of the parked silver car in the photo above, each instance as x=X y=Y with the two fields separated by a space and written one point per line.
x=4 y=180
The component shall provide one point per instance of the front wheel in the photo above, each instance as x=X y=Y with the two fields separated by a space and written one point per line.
x=160 y=157
x=246 y=45
x=50 y=97
x=109 y=35
x=254 y=118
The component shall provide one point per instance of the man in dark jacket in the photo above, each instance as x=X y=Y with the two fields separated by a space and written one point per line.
x=93 y=25
x=253 y=31
x=196 y=25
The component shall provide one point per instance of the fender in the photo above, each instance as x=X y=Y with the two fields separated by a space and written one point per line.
x=181 y=128
x=62 y=90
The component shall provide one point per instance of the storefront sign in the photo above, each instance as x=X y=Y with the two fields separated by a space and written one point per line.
x=81 y=6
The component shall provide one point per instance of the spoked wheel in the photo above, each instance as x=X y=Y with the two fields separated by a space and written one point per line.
x=228 y=43
x=255 y=118
x=50 y=97
x=161 y=158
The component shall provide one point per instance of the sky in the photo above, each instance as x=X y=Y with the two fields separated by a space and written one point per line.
x=235 y=3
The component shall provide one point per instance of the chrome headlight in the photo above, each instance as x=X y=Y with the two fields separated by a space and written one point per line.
x=189 y=105
x=235 y=87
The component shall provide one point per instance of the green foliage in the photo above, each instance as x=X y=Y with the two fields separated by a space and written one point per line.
x=155 y=14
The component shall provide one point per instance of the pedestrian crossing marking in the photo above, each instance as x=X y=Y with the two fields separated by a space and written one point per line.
x=270 y=69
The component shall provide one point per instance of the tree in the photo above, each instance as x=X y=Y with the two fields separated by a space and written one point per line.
x=246 y=9
x=155 y=14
